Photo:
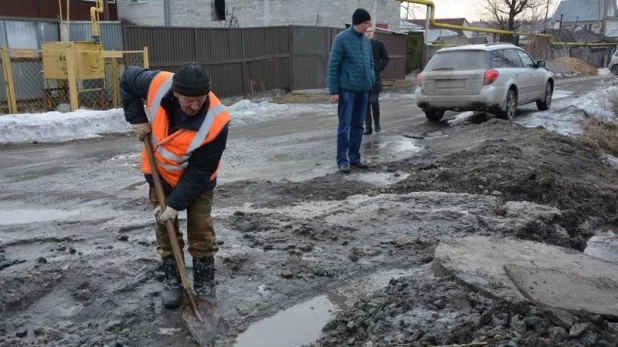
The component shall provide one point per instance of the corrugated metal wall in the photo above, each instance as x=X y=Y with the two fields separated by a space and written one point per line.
x=20 y=34
x=240 y=61
x=310 y=47
x=396 y=48
x=248 y=60
x=111 y=34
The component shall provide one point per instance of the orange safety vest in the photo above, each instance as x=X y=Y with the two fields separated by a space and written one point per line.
x=172 y=152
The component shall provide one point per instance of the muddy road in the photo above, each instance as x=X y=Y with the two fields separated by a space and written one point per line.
x=300 y=242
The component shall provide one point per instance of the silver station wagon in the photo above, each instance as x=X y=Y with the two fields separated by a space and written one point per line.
x=495 y=77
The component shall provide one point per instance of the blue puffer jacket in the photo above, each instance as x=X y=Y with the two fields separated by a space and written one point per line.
x=350 y=66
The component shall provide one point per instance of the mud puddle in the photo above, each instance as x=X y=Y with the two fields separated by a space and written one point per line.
x=376 y=148
x=302 y=324
x=24 y=216
x=604 y=245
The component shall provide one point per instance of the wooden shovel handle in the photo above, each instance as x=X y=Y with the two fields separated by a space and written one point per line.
x=171 y=231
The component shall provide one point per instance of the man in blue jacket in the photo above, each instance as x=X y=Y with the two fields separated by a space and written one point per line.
x=350 y=78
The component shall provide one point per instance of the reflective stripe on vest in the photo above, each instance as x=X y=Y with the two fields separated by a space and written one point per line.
x=172 y=164
x=198 y=139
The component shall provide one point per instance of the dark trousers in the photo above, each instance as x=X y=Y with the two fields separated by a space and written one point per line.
x=373 y=107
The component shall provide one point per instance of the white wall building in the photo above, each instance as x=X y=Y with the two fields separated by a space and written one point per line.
x=254 y=13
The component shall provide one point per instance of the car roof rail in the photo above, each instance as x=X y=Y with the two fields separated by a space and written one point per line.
x=499 y=43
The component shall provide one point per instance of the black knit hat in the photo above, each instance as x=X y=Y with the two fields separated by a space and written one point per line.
x=360 y=16
x=191 y=80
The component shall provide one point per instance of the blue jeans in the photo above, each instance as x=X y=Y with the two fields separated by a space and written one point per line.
x=352 y=110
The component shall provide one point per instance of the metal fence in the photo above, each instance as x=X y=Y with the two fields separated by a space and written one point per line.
x=244 y=61
x=28 y=91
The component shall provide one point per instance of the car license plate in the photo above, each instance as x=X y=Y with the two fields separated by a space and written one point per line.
x=450 y=83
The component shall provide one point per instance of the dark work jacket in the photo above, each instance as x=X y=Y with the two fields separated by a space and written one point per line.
x=380 y=60
x=203 y=162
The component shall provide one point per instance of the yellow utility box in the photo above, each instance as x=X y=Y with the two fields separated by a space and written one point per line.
x=87 y=61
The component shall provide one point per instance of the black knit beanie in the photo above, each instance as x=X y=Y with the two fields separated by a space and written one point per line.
x=360 y=16
x=191 y=80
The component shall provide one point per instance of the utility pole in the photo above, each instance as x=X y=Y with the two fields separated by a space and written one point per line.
x=375 y=14
x=560 y=25
x=546 y=17
x=603 y=28
x=266 y=13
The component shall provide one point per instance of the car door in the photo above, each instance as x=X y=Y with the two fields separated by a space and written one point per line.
x=536 y=75
x=522 y=78
x=508 y=64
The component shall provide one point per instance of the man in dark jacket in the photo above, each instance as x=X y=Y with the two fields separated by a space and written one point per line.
x=188 y=128
x=380 y=60
x=350 y=78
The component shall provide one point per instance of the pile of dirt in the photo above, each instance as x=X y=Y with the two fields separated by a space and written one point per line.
x=427 y=311
x=520 y=164
x=571 y=66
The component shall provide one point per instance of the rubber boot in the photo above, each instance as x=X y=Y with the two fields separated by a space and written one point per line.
x=171 y=296
x=204 y=279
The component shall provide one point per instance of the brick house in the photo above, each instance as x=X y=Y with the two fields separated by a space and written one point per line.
x=254 y=13
x=48 y=9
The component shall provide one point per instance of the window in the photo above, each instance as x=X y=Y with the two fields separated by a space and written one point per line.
x=137 y=1
x=108 y=1
x=526 y=59
x=458 y=60
x=505 y=58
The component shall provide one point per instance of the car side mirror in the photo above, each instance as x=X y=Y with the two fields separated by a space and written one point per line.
x=540 y=63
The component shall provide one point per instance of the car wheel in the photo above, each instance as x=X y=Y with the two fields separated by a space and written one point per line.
x=434 y=115
x=546 y=103
x=511 y=106
x=615 y=69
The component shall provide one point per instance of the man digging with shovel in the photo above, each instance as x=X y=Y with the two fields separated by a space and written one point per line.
x=187 y=126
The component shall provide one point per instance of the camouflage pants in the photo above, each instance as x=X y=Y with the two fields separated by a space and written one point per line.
x=200 y=231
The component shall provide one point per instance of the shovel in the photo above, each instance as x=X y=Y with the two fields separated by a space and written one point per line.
x=201 y=317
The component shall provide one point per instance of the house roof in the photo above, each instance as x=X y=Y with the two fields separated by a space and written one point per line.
x=451 y=21
x=582 y=10
x=585 y=35
x=562 y=35
x=577 y=34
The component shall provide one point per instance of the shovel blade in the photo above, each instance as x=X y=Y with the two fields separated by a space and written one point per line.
x=213 y=325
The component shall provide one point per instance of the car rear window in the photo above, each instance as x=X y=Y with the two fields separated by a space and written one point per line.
x=458 y=60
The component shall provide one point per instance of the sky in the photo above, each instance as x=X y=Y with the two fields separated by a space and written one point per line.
x=564 y=117
x=469 y=9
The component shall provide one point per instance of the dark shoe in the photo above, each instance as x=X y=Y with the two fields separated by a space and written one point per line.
x=360 y=165
x=345 y=168
x=204 y=279
x=378 y=129
x=369 y=132
x=171 y=296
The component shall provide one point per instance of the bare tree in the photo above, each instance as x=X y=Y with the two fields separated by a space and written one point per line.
x=509 y=14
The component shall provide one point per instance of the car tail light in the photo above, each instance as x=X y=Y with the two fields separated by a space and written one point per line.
x=419 y=80
x=491 y=76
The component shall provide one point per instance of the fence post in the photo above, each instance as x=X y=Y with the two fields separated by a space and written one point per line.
x=115 y=82
x=291 y=50
x=146 y=61
x=8 y=80
x=245 y=72
x=71 y=69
